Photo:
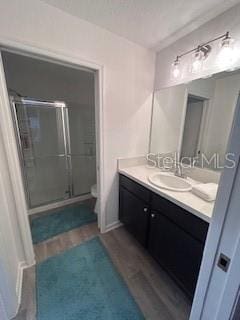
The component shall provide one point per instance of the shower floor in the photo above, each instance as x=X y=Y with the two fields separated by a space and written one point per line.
x=50 y=224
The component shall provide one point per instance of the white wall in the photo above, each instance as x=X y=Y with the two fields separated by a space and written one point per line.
x=128 y=77
x=228 y=21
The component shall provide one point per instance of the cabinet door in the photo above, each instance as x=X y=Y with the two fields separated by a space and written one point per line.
x=175 y=250
x=133 y=212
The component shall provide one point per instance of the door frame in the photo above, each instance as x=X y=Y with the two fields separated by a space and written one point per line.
x=203 y=124
x=220 y=219
x=10 y=142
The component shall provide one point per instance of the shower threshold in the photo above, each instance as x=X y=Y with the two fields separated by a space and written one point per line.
x=59 y=204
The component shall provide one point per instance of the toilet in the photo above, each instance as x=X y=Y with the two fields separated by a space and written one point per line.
x=94 y=191
x=94 y=194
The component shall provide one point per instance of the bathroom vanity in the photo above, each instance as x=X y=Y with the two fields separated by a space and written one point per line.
x=190 y=126
x=173 y=233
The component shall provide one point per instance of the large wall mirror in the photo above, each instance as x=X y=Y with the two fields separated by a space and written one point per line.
x=194 y=120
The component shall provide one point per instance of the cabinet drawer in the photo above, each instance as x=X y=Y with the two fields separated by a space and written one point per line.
x=184 y=219
x=135 y=188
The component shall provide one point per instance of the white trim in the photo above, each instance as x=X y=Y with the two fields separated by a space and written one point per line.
x=99 y=123
x=19 y=281
x=231 y=290
x=59 y=204
x=11 y=144
x=48 y=55
x=218 y=221
x=21 y=266
x=185 y=101
x=113 y=225
x=203 y=126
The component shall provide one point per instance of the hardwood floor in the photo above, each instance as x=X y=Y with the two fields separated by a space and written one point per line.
x=156 y=294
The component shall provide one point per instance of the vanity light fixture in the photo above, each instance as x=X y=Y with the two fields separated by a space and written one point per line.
x=201 y=52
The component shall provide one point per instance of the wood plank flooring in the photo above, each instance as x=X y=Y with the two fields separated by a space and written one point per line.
x=156 y=294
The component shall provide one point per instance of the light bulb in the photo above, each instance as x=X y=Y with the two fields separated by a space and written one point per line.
x=227 y=56
x=175 y=69
x=196 y=66
x=176 y=72
x=197 y=61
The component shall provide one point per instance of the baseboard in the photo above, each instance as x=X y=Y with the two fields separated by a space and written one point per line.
x=113 y=225
x=21 y=267
x=59 y=204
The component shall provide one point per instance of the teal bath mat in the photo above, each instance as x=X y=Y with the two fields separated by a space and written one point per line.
x=52 y=224
x=83 y=284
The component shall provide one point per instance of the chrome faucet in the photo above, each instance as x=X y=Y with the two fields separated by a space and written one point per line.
x=178 y=171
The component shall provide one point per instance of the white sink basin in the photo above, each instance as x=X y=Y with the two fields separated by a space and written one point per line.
x=169 y=181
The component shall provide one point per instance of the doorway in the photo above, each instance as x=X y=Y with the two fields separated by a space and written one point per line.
x=53 y=108
x=10 y=143
x=193 y=128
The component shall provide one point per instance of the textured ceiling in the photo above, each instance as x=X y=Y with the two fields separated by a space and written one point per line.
x=150 y=23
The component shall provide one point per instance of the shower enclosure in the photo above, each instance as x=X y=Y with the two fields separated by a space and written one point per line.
x=58 y=157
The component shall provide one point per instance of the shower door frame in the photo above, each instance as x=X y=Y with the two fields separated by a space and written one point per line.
x=10 y=143
x=66 y=143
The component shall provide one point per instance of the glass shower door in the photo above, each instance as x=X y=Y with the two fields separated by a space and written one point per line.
x=43 y=147
x=82 y=148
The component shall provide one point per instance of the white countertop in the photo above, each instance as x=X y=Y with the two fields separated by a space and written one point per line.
x=186 y=200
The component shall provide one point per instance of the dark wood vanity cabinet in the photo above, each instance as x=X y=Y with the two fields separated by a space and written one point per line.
x=134 y=209
x=172 y=235
x=175 y=250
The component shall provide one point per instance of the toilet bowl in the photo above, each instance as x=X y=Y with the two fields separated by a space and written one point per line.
x=94 y=191
x=94 y=194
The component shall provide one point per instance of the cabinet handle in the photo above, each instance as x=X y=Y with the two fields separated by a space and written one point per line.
x=145 y=209
x=153 y=215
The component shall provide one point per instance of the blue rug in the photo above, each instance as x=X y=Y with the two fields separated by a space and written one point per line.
x=83 y=284
x=52 y=224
